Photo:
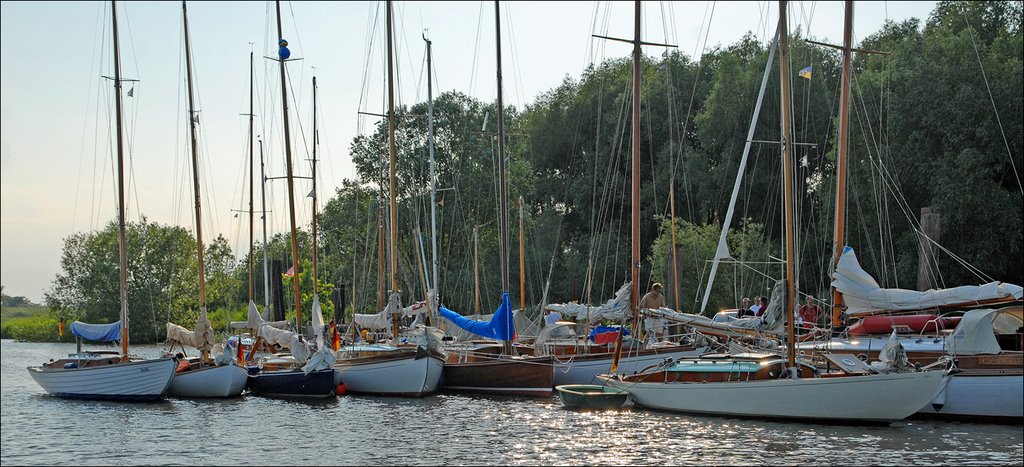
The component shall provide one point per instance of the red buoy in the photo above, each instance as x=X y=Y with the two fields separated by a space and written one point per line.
x=341 y=389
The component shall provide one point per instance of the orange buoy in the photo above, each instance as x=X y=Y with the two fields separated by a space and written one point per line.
x=340 y=390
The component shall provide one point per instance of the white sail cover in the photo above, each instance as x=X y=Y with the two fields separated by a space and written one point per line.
x=318 y=324
x=975 y=335
x=203 y=337
x=771 y=323
x=322 y=359
x=616 y=308
x=180 y=334
x=254 y=320
x=863 y=296
x=382 y=320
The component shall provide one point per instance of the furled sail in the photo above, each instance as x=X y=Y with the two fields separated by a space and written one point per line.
x=615 y=308
x=501 y=326
x=863 y=296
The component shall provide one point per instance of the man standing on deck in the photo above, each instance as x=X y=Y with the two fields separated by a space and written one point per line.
x=654 y=300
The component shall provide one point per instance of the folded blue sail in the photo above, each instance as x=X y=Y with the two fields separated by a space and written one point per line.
x=501 y=326
x=97 y=332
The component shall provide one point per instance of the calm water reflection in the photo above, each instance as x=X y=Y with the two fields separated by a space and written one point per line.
x=443 y=429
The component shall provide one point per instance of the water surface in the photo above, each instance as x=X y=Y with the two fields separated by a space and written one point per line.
x=443 y=429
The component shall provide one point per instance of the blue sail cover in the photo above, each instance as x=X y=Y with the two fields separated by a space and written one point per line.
x=501 y=326
x=97 y=332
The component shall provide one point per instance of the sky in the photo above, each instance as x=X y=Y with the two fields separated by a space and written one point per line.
x=56 y=176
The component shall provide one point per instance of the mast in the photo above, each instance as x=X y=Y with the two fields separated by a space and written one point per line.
x=675 y=259
x=787 y=177
x=291 y=184
x=195 y=160
x=502 y=203
x=433 y=176
x=263 y=216
x=522 y=261
x=195 y=168
x=316 y=290
x=394 y=181
x=635 y=197
x=121 y=242
x=252 y=239
x=841 y=159
x=476 y=271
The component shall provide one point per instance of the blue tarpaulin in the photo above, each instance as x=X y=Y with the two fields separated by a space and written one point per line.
x=500 y=327
x=97 y=332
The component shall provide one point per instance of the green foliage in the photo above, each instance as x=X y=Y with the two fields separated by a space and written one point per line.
x=696 y=246
x=163 y=279
x=924 y=132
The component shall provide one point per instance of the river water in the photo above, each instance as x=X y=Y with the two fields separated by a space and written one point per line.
x=443 y=429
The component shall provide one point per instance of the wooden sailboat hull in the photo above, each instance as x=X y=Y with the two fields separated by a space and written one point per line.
x=525 y=376
x=210 y=381
x=876 y=398
x=405 y=373
x=144 y=380
x=583 y=369
x=293 y=383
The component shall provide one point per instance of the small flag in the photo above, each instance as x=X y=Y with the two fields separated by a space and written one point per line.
x=241 y=351
x=335 y=339
x=60 y=327
x=131 y=91
x=806 y=73
x=291 y=271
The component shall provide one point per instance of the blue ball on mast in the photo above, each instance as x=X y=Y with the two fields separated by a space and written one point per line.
x=283 y=52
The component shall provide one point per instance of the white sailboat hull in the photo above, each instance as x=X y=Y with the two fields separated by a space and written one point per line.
x=410 y=375
x=138 y=380
x=869 y=398
x=584 y=370
x=979 y=396
x=211 y=381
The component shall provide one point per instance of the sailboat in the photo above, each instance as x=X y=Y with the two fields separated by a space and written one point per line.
x=986 y=321
x=504 y=373
x=411 y=369
x=766 y=386
x=201 y=378
x=295 y=375
x=107 y=375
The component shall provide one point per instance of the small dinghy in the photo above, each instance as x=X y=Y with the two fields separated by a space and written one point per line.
x=591 y=396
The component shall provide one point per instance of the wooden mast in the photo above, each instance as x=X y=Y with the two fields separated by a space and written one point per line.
x=121 y=242
x=316 y=290
x=195 y=166
x=841 y=159
x=393 y=165
x=502 y=189
x=634 y=267
x=476 y=270
x=502 y=203
x=252 y=189
x=291 y=184
x=522 y=261
x=433 y=180
x=787 y=177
